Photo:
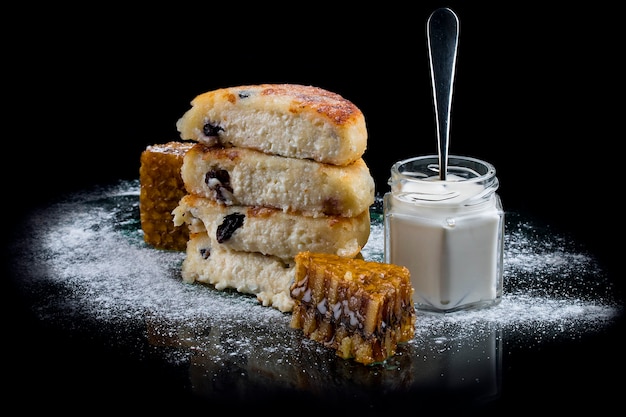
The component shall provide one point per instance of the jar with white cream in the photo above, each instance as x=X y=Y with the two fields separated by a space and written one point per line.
x=449 y=233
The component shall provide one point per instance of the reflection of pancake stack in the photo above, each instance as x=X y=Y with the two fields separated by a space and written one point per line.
x=277 y=170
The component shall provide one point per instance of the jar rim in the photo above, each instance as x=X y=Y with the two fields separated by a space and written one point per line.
x=487 y=170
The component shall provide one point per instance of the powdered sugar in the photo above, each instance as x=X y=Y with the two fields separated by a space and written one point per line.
x=83 y=263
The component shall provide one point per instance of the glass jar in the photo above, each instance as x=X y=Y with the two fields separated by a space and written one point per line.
x=448 y=233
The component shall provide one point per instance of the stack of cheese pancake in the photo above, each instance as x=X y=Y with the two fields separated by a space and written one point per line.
x=269 y=195
x=277 y=169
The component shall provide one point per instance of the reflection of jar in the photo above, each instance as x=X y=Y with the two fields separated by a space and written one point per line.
x=449 y=234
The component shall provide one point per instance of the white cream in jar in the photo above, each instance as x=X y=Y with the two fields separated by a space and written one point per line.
x=449 y=234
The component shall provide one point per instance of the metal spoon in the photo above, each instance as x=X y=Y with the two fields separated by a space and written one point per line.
x=443 y=36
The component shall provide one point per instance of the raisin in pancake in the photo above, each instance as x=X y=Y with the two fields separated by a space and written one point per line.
x=272 y=231
x=284 y=119
x=267 y=277
x=240 y=176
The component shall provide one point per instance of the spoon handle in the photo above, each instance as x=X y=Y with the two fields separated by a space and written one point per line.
x=443 y=36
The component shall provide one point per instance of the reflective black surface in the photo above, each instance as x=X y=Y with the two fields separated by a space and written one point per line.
x=110 y=318
x=533 y=95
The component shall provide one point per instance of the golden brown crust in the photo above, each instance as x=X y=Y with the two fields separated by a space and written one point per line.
x=302 y=98
x=334 y=106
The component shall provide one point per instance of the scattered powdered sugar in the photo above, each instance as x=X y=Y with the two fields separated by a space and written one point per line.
x=83 y=264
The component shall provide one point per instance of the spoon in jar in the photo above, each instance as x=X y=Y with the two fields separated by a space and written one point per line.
x=443 y=37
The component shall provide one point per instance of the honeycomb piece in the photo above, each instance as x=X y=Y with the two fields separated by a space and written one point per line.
x=362 y=309
x=161 y=188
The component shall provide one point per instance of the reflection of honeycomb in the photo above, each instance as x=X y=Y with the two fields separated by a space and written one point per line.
x=161 y=189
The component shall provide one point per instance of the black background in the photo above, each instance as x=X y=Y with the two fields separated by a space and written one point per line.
x=536 y=94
